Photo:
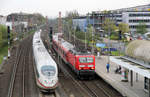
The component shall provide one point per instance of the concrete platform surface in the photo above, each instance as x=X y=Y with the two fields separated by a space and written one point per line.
x=137 y=90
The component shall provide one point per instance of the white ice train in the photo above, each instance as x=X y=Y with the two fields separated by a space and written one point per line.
x=45 y=67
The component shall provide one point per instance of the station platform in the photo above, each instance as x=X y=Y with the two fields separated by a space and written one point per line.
x=137 y=90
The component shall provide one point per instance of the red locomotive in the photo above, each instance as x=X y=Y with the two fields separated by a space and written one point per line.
x=83 y=64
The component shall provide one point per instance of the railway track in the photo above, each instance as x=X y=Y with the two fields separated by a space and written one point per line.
x=17 y=87
x=84 y=90
x=95 y=91
x=5 y=73
x=48 y=94
x=12 y=81
x=92 y=88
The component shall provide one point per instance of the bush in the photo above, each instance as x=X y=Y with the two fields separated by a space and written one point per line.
x=3 y=35
x=114 y=37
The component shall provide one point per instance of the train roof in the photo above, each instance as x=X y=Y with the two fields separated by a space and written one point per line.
x=79 y=52
x=63 y=42
x=40 y=53
x=69 y=46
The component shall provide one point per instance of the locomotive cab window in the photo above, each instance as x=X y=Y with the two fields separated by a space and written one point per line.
x=89 y=60
x=48 y=71
x=86 y=60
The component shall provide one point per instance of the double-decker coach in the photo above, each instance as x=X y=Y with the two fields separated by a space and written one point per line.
x=83 y=64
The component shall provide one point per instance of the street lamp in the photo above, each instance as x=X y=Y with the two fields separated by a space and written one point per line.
x=108 y=45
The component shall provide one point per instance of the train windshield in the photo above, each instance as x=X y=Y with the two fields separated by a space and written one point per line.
x=86 y=60
x=48 y=71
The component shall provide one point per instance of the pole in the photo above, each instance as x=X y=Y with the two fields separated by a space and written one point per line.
x=59 y=24
x=131 y=78
x=149 y=87
x=92 y=34
x=109 y=46
x=136 y=77
x=85 y=38
x=47 y=23
x=106 y=16
x=74 y=38
x=86 y=30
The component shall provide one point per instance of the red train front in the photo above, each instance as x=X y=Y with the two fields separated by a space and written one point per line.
x=83 y=64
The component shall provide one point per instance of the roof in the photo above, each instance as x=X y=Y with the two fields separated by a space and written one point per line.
x=40 y=52
x=63 y=42
x=69 y=46
x=131 y=66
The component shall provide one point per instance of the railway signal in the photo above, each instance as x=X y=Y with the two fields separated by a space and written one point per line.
x=51 y=34
x=8 y=30
x=119 y=35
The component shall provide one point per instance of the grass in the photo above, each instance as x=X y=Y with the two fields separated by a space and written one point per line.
x=3 y=52
x=116 y=53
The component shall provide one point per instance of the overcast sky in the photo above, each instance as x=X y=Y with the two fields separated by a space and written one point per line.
x=51 y=8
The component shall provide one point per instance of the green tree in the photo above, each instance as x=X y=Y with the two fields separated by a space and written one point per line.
x=123 y=27
x=78 y=29
x=109 y=26
x=72 y=14
x=89 y=33
x=106 y=12
x=3 y=35
x=1 y=40
x=141 y=28
x=69 y=23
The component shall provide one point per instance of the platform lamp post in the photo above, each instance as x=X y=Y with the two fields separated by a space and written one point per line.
x=92 y=34
x=109 y=35
x=109 y=46
x=51 y=36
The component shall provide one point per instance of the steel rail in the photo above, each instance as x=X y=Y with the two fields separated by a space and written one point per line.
x=67 y=74
x=94 y=93
x=13 y=77
x=23 y=78
x=105 y=92
x=11 y=85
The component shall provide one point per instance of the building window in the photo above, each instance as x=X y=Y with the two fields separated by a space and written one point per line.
x=139 y=15
x=135 y=26
x=138 y=21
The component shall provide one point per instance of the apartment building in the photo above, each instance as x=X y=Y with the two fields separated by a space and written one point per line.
x=133 y=18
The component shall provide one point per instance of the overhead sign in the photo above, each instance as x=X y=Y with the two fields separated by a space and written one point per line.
x=109 y=49
x=102 y=45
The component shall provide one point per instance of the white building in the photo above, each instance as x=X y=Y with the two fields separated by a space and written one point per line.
x=135 y=17
x=3 y=20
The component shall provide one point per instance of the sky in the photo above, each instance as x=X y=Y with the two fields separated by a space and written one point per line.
x=51 y=8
